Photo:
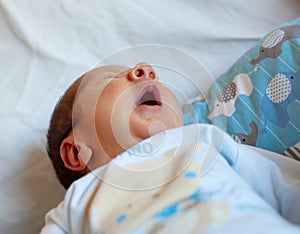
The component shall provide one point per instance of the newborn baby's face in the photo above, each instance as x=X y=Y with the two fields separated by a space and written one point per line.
x=125 y=105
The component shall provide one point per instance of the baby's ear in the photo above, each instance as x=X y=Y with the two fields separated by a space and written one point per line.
x=75 y=156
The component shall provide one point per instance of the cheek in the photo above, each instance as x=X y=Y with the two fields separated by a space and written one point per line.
x=173 y=117
x=173 y=111
x=110 y=99
x=112 y=116
x=102 y=121
x=104 y=111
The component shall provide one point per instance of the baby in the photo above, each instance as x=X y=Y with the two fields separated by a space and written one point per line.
x=105 y=112
x=188 y=179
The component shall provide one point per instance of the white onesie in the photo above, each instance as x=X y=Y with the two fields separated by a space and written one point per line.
x=193 y=179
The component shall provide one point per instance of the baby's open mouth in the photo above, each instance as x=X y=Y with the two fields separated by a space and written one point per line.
x=149 y=96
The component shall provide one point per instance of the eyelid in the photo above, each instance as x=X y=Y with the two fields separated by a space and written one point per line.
x=114 y=75
x=123 y=73
x=110 y=76
x=120 y=75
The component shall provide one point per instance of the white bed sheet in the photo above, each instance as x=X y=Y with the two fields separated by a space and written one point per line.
x=46 y=44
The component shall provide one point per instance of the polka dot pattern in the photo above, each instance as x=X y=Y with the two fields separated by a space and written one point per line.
x=279 y=88
x=227 y=93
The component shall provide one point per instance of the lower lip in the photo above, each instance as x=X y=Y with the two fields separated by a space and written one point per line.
x=149 y=107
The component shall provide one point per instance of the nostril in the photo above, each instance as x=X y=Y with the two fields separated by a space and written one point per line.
x=152 y=75
x=139 y=72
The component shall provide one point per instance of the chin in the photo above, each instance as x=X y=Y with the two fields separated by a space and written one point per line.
x=144 y=124
x=157 y=127
x=152 y=128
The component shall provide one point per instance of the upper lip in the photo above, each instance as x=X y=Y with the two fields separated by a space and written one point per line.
x=149 y=96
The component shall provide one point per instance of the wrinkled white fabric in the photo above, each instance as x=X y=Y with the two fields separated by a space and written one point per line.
x=46 y=44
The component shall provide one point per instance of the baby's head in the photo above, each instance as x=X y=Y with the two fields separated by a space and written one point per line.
x=105 y=112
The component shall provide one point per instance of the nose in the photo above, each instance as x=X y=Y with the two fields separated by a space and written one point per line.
x=142 y=71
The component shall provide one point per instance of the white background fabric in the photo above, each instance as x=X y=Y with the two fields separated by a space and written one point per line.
x=46 y=44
